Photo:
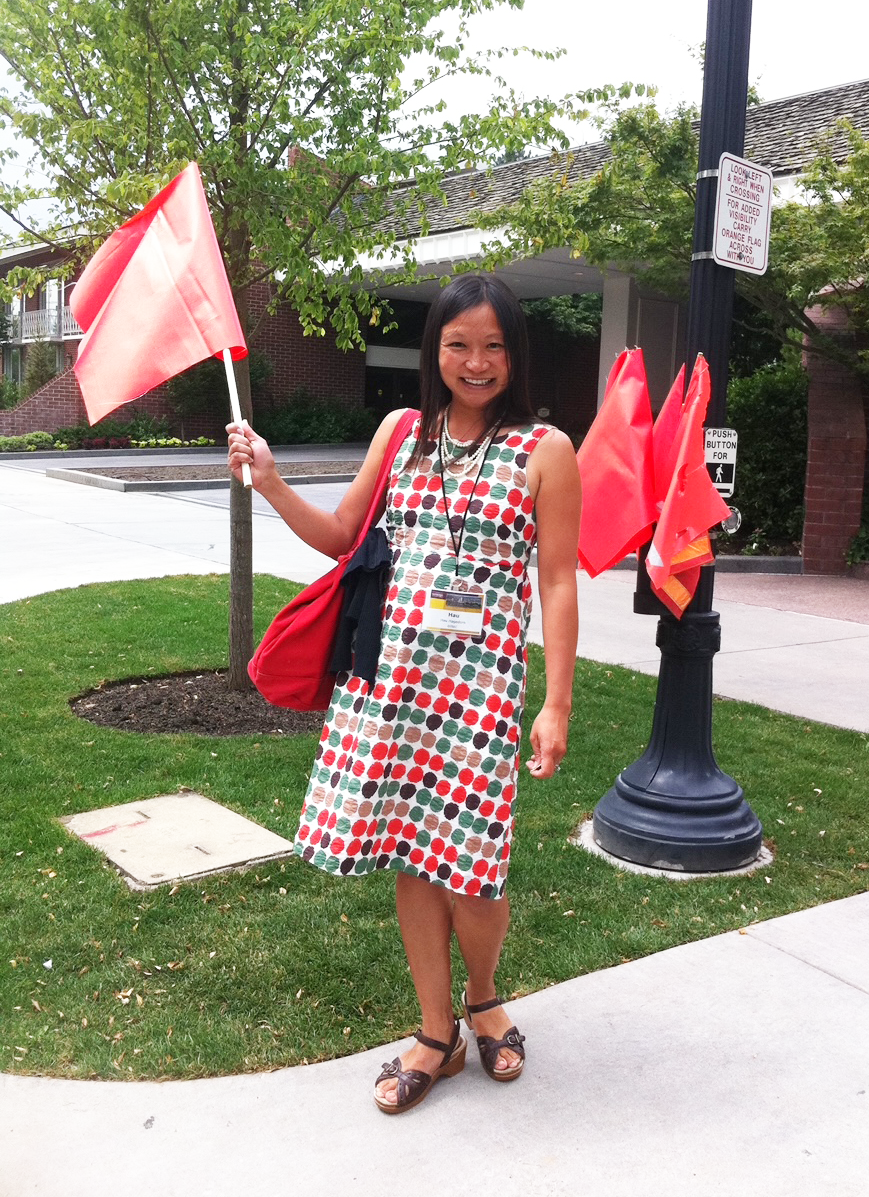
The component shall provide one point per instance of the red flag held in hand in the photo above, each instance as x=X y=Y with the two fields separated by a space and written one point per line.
x=691 y=507
x=615 y=464
x=154 y=300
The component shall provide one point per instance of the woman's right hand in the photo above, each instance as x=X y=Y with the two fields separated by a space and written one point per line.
x=246 y=447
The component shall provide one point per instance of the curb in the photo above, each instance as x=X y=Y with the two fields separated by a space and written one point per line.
x=723 y=563
x=328 y=451
x=727 y=564
x=120 y=484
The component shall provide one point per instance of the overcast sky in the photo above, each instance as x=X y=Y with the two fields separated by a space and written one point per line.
x=795 y=47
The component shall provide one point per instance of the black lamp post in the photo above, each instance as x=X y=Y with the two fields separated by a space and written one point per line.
x=674 y=808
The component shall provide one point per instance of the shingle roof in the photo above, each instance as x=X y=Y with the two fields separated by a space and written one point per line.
x=781 y=135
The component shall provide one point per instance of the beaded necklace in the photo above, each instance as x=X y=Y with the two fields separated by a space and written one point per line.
x=455 y=454
x=465 y=467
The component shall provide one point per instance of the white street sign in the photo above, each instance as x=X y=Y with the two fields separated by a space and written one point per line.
x=743 y=210
x=721 y=459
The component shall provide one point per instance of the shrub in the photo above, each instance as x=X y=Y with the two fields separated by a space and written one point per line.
x=10 y=393
x=769 y=411
x=305 y=420
x=27 y=443
x=203 y=387
x=858 y=550
x=39 y=440
x=135 y=427
x=171 y=442
x=106 y=442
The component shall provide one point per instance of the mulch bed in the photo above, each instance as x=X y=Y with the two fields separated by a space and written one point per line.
x=194 y=703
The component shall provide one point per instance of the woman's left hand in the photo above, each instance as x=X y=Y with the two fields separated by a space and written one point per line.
x=548 y=742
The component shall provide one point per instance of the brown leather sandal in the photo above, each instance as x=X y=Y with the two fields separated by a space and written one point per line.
x=489 y=1047
x=413 y=1085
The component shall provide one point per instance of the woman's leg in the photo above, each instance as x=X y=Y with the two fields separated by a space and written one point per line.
x=480 y=925
x=425 y=918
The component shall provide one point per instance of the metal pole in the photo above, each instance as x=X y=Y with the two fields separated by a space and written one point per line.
x=674 y=808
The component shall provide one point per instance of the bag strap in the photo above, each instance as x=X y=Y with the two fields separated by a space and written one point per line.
x=399 y=434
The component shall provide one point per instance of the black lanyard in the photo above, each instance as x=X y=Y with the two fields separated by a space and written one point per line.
x=457 y=544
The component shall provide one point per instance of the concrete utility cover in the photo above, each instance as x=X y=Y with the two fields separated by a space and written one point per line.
x=177 y=837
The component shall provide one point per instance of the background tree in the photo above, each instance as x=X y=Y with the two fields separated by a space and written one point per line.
x=318 y=155
x=637 y=214
x=203 y=387
x=40 y=366
x=569 y=317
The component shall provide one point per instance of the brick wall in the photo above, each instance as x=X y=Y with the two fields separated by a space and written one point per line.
x=837 y=460
x=56 y=405
x=315 y=363
x=59 y=404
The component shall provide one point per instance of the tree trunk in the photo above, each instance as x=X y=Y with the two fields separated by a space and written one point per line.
x=238 y=245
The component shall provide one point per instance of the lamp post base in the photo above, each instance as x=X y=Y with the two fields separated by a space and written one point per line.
x=674 y=808
x=665 y=832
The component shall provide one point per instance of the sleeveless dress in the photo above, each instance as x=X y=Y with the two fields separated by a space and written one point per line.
x=418 y=772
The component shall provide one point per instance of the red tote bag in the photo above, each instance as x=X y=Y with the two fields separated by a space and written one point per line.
x=291 y=666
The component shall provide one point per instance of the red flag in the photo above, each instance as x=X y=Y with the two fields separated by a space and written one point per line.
x=153 y=300
x=615 y=464
x=681 y=542
x=664 y=438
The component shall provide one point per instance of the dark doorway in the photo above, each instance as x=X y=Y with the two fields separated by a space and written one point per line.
x=387 y=389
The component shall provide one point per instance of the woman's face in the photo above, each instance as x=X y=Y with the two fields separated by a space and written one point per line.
x=473 y=359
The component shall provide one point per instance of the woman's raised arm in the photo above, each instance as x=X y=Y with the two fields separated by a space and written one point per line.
x=329 y=532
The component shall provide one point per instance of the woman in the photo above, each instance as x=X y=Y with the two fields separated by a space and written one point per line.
x=418 y=774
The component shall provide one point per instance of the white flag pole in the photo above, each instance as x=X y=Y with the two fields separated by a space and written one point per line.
x=235 y=409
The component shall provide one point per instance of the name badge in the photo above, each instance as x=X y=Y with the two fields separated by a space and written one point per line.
x=455 y=611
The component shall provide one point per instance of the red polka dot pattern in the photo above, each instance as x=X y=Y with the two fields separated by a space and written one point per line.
x=419 y=773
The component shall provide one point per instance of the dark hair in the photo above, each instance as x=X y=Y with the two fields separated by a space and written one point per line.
x=468 y=291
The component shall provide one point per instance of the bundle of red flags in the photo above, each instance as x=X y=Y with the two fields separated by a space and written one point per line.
x=154 y=300
x=645 y=479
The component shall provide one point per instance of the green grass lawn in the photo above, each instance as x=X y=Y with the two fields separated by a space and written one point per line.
x=286 y=965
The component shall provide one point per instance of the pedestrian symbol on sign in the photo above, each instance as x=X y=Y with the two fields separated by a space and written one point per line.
x=722 y=476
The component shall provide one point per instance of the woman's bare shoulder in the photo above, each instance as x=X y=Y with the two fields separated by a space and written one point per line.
x=554 y=443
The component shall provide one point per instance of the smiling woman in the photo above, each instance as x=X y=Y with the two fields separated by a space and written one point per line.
x=473 y=361
x=417 y=769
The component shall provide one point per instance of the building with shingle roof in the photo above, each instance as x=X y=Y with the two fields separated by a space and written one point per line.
x=782 y=135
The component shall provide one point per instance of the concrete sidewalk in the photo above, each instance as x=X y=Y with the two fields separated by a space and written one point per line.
x=781 y=645
x=738 y=1064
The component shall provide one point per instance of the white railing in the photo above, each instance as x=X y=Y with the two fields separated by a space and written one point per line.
x=47 y=324
x=70 y=326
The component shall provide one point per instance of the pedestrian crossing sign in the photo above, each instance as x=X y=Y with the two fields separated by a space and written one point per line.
x=721 y=459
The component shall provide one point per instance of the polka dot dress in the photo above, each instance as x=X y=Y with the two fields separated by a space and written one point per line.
x=418 y=773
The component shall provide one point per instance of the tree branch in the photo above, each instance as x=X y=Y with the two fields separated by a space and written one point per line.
x=42 y=237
